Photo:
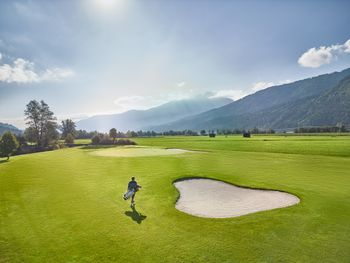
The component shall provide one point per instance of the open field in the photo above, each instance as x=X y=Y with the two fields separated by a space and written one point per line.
x=67 y=206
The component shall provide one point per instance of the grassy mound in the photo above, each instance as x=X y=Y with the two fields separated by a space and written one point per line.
x=137 y=151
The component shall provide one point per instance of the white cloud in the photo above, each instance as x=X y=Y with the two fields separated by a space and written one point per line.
x=264 y=85
x=347 y=46
x=181 y=84
x=23 y=71
x=126 y=103
x=231 y=93
x=236 y=94
x=0 y=56
x=134 y=102
x=57 y=74
x=261 y=85
x=316 y=57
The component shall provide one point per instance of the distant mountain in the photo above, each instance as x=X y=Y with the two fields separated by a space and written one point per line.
x=330 y=108
x=144 y=119
x=321 y=100
x=4 y=127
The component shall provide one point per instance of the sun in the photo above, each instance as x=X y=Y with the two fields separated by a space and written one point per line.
x=106 y=8
x=107 y=4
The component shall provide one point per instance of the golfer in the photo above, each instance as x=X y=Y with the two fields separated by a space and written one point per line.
x=133 y=186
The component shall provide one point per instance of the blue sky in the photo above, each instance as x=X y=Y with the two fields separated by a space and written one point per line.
x=88 y=57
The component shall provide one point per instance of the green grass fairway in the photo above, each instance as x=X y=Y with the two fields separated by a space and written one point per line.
x=67 y=206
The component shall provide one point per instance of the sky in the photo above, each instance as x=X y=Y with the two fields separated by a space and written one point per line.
x=88 y=57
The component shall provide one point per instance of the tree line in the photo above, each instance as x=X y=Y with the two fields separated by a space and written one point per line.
x=43 y=133
x=330 y=129
x=238 y=131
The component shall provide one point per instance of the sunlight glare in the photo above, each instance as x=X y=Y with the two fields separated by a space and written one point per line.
x=108 y=5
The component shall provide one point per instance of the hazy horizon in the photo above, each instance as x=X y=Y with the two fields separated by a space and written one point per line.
x=95 y=57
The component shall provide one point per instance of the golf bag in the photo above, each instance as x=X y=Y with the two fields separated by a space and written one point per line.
x=128 y=194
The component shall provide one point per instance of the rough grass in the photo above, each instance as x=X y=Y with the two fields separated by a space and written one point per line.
x=66 y=205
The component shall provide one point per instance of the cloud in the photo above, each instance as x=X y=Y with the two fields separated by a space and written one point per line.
x=316 y=57
x=347 y=46
x=29 y=10
x=23 y=71
x=181 y=84
x=231 y=93
x=236 y=94
x=126 y=103
x=134 y=102
x=261 y=85
x=57 y=74
x=0 y=56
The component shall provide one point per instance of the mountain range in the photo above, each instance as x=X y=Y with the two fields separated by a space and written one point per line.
x=4 y=127
x=317 y=101
x=144 y=119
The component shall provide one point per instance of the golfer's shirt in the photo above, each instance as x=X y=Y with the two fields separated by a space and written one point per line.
x=132 y=185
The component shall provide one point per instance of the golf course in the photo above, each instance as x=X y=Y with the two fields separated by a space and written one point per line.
x=66 y=205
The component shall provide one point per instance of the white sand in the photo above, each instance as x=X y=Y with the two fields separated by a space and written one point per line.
x=215 y=199
x=137 y=151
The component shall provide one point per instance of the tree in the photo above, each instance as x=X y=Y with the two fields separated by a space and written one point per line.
x=203 y=132
x=130 y=134
x=96 y=139
x=50 y=134
x=82 y=134
x=41 y=121
x=255 y=130
x=68 y=127
x=30 y=135
x=69 y=138
x=113 y=134
x=8 y=144
x=21 y=140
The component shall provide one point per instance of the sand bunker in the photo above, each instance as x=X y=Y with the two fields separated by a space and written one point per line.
x=215 y=199
x=137 y=151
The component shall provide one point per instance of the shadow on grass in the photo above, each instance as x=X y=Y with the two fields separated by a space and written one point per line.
x=135 y=215
x=89 y=147
x=3 y=161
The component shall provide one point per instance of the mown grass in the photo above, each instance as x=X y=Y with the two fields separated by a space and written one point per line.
x=328 y=145
x=66 y=205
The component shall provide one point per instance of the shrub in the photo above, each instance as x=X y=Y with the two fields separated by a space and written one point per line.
x=56 y=146
x=105 y=139
x=96 y=139
x=246 y=134
x=125 y=142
